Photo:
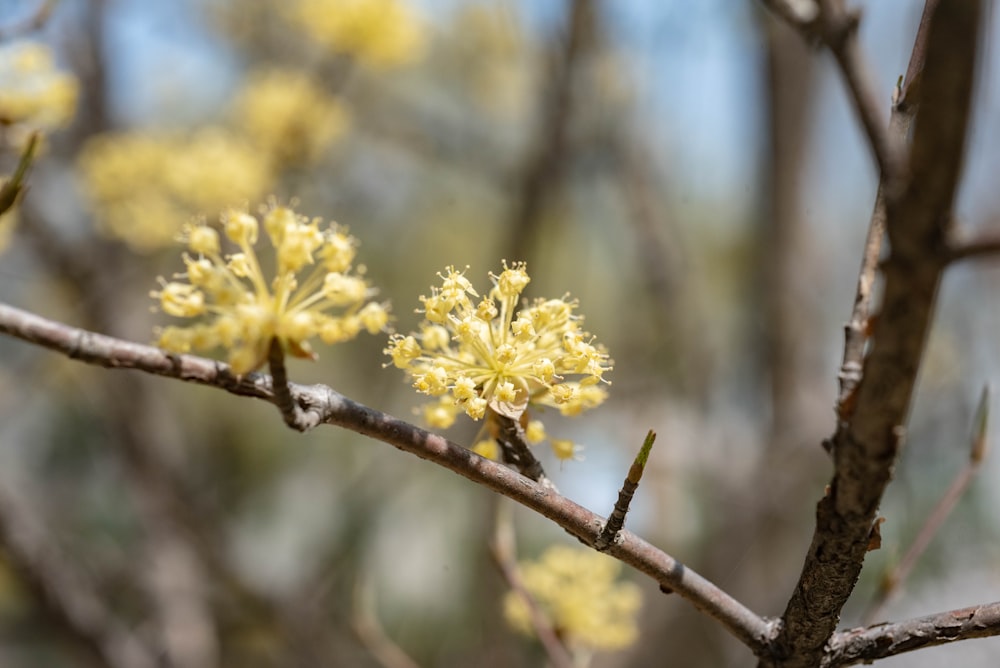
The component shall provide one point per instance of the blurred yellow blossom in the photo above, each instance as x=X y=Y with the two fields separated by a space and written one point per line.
x=489 y=355
x=578 y=592
x=142 y=186
x=383 y=33
x=288 y=116
x=33 y=94
x=245 y=310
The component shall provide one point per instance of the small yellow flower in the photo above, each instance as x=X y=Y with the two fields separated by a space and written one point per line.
x=486 y=353
x=246 y=311
x=578 y=591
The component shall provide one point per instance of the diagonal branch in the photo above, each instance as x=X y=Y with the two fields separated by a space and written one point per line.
x=883 y=640
x=835 y=26
x=857 y=328
x=504 y=552
x=66 y=594
x=330 y=407
x=867 y=443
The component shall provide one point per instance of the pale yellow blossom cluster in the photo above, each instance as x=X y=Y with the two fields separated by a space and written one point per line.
x=142 y=184
x=244 y=311
x=478 y=354
x=381 y=33
x=288 y=116
x=34 y=95
x=578 y=592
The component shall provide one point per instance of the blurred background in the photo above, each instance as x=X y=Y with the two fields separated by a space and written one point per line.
x=691 y=172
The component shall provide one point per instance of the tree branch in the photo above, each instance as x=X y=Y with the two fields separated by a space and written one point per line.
x=504 y=552
x=867 y=443
x=831 y=22
x=857 y=328
x=66 y=594
x=883 y=640
x=330 y=407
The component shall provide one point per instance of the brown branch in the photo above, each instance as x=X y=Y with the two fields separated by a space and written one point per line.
x=368 y=629
x=326 y=406
x=867 y=443
x=856 y=330
x=66 y=594
x=840 y=33
x=883 y=640
x=837 y=28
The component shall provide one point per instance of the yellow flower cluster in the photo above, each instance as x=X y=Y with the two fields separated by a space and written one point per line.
x=33 y=94
x=246 y=311
x=382 y=33
x=288 y=116
x=576 y=589
x=141 y=185
x=488 y=355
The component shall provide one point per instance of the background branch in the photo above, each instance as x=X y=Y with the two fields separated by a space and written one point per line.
x=67 y=594
x=503 y=549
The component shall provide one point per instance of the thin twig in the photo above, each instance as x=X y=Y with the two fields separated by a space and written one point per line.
x=840 y=33
x=617 y=519
x=984 y=247
x=66 y=593
x=893 y=580
x=368 y=629
x=504 y=553
x=837 y=28
x=865 y=645
x=34 y=21
x=326 y=406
